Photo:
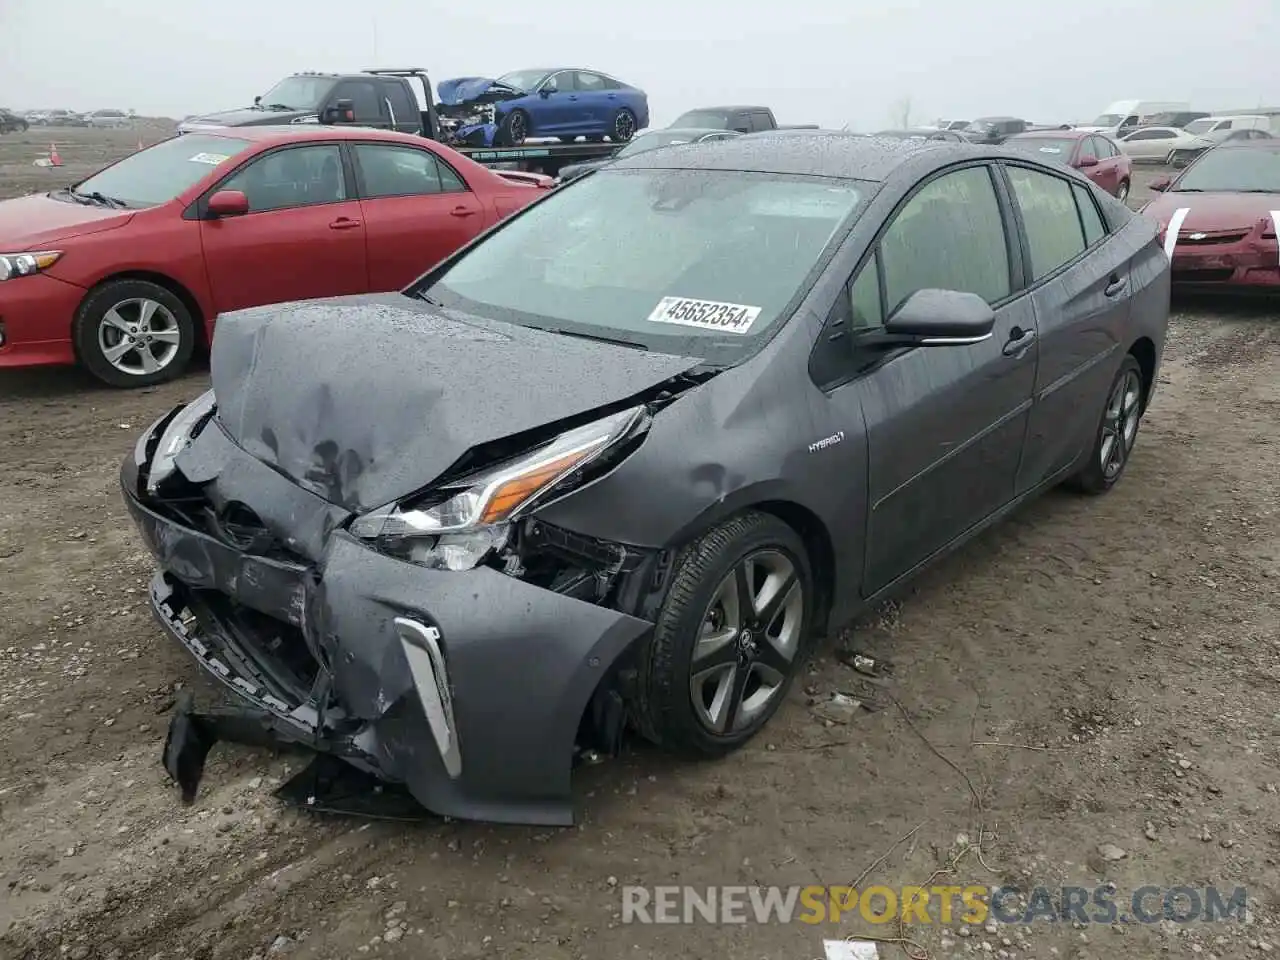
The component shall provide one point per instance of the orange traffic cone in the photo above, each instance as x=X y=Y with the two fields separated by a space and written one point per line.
x=54 y=159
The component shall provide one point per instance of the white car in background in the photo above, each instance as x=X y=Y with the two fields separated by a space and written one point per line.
x=1219 y=128
x=107 y=118
x=1157 y=144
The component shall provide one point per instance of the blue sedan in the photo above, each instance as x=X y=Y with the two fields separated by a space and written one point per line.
x=562 y=102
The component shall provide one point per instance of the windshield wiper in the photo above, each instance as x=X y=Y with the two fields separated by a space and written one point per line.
x=279 y=106
x=96 y=197
x=591 y=336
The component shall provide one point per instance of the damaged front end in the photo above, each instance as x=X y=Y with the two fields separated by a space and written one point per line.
x=470 y=112
x=451 y=642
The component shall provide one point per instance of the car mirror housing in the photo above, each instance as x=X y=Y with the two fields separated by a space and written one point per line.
x=1161 y=184
x=942 y=318
x=228 y=203
x=1085 y=162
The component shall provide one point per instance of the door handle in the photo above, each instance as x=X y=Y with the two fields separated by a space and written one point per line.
x=573 y=96
x=461 y=211
x=1116 y=285
x=1019 y=340
x=344 y=223
x=613 y=96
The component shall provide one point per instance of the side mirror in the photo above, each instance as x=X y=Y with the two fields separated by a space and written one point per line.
x=548 y=89
x=257 y=100
x=228 y=203
x=1160 y=184
x=941 y=318
x=1085 y=162
x=340 y=111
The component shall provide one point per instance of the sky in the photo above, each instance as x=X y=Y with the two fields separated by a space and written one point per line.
x=830 y=62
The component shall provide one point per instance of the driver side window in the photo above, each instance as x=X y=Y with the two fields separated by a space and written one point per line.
x=949 y=236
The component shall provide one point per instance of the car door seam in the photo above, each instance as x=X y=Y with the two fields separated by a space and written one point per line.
x=955 y=451
x=1078 y=371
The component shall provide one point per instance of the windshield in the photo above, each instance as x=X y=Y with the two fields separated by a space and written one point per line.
x=651 y=141
x=524 y=79
x=1233 y=170
x=1108 y=120
x=1055 y=148
x=710 y=119
x=158 y=174
x=297 y=93
x=981 y=126
x=699 y=263
x=1199 y=126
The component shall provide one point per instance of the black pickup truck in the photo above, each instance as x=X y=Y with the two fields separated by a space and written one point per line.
x=388 y=99
x=743 y=119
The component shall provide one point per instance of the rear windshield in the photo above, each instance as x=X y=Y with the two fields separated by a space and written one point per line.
x=1199 y=126
x=159 y=174
x=1228 y=170
x=698 y=263
x=1051 y=148
x=708 y=119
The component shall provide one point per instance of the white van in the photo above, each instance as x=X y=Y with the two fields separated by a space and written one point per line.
x=1219 y=128
x=1125 y=116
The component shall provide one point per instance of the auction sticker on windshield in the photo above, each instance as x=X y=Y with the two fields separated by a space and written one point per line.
x=705 y=314
x=213 y=159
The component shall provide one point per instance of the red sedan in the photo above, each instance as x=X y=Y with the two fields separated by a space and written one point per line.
x=1098 y=157
x=126 y=271
x=1219 y=218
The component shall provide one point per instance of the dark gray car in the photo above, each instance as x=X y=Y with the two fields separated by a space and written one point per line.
x=621 y=461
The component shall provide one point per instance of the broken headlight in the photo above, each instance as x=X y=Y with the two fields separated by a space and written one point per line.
x=176 y=437
x=474 y=516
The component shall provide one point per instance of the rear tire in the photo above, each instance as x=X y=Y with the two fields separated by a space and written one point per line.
x=623 y=127
x=133 y=333
x=718 y=666
x=1116 y=434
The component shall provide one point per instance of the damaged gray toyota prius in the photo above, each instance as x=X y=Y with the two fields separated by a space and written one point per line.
x=618 y=462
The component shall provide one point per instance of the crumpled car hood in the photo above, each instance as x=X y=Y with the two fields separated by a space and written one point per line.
x=474 y=89
x=363 y=400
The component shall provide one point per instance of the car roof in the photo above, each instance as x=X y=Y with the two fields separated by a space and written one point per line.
x=1055 y=134
x=301 y=132
x=682 y=131
x=1265 y=143
x=730 y=107
x=819 y=155
x=803 y=132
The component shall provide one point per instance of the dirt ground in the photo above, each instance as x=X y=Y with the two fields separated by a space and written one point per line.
x=1123 y=651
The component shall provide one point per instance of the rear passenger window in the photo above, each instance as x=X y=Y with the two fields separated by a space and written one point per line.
x=1049 y=215
x=949 y=236
x=1089 y=216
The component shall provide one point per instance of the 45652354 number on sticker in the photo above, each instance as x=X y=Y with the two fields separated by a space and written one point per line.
x=705 y=314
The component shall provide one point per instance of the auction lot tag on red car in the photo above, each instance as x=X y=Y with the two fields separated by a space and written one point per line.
x=705 y=314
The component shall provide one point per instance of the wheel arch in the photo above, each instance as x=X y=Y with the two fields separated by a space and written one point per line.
x=1144 y=351
x=179 y=290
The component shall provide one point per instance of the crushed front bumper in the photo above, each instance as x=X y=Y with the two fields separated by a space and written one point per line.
x=466 y=687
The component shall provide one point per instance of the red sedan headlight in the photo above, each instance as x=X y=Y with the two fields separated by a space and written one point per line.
x=14 y=265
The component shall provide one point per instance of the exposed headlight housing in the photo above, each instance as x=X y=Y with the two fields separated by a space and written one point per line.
x=14 y=265
x=475 y=514
x=176 y=437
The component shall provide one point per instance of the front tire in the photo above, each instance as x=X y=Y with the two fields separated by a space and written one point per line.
x=133 y=333
x=1122 y=191
x=728 y=639
x=514 y=129
x=1116 y=434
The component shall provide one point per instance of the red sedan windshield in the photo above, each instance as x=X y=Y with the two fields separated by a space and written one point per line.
x=1247 y=170
x=158 y=174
